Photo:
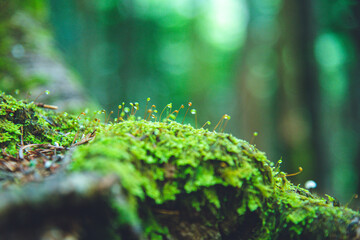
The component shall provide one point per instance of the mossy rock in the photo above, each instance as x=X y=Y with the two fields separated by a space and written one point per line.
x=185 y=183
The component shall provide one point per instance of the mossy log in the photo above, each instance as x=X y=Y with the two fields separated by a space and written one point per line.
x=184 y=183
x=64 y=207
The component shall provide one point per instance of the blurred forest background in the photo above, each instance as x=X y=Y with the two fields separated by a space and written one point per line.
x=287 y=69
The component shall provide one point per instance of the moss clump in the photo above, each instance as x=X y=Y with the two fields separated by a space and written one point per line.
x=34 y=125
x=177 y=176
x=181 y=182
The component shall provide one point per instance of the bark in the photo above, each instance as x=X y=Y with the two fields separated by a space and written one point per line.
x=76 y=206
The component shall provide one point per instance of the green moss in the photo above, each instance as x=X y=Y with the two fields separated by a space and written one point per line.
x=149 y=156
x=162 y=163
x=173 y=173
x=38 y=125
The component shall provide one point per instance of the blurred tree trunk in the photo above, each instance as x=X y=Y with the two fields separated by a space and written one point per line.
x=333 y=51
x=257 y=81
x=354 y=86
x=298 y=96
x=29 y=60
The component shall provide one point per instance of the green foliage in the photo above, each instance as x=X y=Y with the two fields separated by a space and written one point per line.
x=17 y=22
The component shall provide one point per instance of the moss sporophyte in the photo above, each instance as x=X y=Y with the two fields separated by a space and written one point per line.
x=177 y=176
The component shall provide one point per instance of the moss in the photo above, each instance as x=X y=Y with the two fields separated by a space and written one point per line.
x=34 y=125
x=184 y=183
x=164 y=165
